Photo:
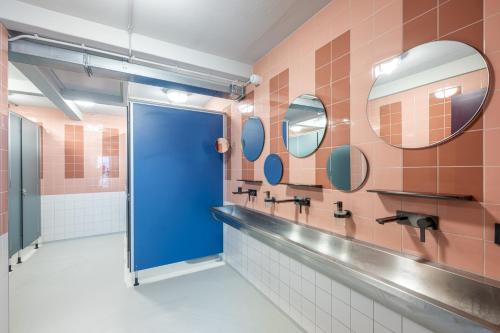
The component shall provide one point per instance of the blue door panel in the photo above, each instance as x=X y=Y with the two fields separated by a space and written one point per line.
x=177 y=176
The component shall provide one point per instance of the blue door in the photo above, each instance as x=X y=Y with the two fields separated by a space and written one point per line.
x=176 y=176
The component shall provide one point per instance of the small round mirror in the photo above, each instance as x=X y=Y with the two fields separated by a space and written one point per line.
x=273 y=169
x=222 y=145
x=347 y=168
x=252 y=138
x=304 y=125
x=428 y=94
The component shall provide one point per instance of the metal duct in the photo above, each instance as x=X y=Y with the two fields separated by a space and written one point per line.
x=43 y=55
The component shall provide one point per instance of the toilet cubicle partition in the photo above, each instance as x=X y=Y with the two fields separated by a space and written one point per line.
x=24 y=183
x=175 y=177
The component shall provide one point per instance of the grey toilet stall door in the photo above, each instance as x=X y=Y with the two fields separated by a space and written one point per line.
x=24 y=183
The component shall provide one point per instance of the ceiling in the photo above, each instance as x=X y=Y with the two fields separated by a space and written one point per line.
x=235 y=29
x=23 y=92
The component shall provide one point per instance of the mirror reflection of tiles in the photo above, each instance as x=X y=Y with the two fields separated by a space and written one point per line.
x=325 y=167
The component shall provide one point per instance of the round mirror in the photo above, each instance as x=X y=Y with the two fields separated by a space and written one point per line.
x=428 y=94
x=304 y=125
x=252 y=138
x=347 y=168
x=222 y=145
x=273 y=169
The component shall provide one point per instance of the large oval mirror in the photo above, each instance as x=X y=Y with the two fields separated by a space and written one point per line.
x=347 y=168
x=428 y=94
x=252 y=138
x=304 y=125
x=273 y=169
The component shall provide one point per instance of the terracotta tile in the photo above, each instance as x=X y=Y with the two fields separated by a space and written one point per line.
x=491 y=260
x=325 y=94
x=412 y=8
x=396 y=139
x=360 y=10
x=436 y=135
x=341 y=135
x=387 y=18
x=491 y=7
x=491 y=116
x=340 y=68
x=464 y=218
x=340 y=90
x=283 y=95
x=421 y=30
x=472 y=35
x=341 y=45
x=322 y=156
x=461 y=252
x=456 y=14
x=417 y=205
x=420 y=179
x=492 y=190
x=491 y=216
x=464 y=150
x=360 y=228
x=436 y=122
x=322 y=178
x=283 y=79
x=341 y=111
x=323 y=76
x=386 y=156
x=412 y=245
x=420 y=157
x=361 y=34
x=323 y=55
x=462 y=180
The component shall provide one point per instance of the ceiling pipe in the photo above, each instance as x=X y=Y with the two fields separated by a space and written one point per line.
x=129 y=58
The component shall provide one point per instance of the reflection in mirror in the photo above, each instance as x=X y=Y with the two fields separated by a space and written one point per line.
x=273 y=169
x=347 y=168
x=252 y=138
x=428 y=94
x=304 y=125
x=222 y=145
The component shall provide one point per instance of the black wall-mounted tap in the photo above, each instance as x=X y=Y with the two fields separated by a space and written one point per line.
x=250 y=192
x=420 y=221
x=299 y=201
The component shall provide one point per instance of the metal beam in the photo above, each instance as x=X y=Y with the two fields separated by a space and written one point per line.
x=32 y=53
x=49 y=89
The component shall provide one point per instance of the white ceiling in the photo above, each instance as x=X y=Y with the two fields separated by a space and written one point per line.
x=235 y=29
x=23 y=92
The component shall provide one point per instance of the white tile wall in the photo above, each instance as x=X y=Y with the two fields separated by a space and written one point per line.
x=4 y=283
x=314 y=301
x=85 y=214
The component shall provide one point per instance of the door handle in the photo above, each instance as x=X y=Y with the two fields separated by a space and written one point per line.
x=24 y=192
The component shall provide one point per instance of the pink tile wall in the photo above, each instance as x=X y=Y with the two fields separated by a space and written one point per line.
x=377 y=33
x=93 y=180
x=4 y=122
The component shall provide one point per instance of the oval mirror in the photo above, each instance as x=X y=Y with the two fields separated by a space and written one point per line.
x=304 y=125
x=273 y=169
x=428 y=94
x=347 y=168
x=222 y=145
x=252 y=138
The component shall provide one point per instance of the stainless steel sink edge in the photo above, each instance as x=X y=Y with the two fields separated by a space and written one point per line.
x=424 y=310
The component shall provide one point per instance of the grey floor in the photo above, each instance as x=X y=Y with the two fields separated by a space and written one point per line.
x=78 y=286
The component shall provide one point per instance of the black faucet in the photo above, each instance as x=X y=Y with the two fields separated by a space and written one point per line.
x=415 y=220
x=299 y=201
x=250 y=192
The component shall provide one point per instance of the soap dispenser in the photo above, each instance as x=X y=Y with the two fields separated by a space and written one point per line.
x=340 y=212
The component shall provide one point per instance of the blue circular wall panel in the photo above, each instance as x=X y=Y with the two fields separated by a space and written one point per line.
x=252 y=138
x=273 y=169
